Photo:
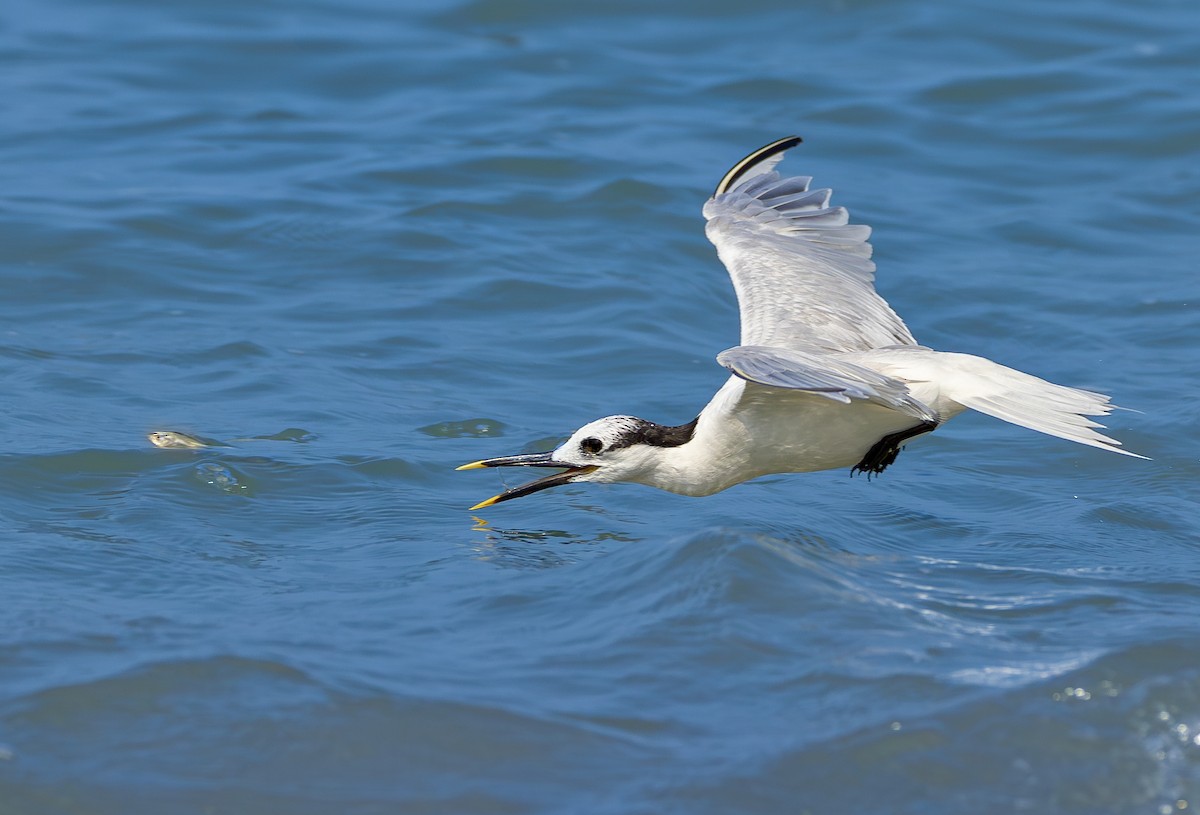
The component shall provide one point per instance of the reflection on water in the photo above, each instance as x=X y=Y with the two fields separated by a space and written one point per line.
x=534 y=548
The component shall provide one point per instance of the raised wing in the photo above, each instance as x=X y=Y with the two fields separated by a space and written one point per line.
x=802 y=272
x=822 y=374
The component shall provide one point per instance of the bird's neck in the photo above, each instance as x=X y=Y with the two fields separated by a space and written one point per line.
x=708 y=456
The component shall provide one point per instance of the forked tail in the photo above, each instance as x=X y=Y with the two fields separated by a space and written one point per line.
x=1025 y=400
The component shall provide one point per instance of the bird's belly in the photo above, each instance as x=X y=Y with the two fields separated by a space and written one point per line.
x=815 y=433
x=747 y=432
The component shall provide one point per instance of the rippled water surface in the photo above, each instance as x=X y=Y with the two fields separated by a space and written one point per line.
x=358 y=243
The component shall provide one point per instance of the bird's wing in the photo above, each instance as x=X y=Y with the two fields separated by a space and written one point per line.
x=803 y=274
x=824 y=375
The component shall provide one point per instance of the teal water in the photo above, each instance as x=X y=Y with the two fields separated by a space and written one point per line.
x=364 y=242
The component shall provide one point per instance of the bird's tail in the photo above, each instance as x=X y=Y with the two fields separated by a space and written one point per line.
x=1025 y=400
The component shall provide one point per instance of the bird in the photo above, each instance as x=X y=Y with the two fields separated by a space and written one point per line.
x=826 y=376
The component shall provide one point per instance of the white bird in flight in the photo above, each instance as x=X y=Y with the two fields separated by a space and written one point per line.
x=826 y=376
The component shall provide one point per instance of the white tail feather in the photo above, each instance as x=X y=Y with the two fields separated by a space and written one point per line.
x=1025 y=400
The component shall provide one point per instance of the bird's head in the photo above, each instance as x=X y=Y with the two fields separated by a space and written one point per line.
x=615 y=448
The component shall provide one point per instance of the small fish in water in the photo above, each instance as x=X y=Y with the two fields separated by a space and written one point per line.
x=173 y=439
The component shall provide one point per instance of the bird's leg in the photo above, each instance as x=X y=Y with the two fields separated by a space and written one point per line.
x=884 y=451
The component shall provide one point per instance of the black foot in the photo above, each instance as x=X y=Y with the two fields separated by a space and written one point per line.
x=884 y=451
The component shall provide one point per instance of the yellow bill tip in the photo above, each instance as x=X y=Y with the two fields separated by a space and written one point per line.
x=486 y=503
x=474 y=465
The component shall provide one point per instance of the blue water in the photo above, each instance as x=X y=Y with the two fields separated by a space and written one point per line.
x=363 y=242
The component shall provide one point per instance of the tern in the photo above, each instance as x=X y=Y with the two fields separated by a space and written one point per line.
x=826 y=376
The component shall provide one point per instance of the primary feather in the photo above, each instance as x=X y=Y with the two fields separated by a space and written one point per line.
x=802 y=272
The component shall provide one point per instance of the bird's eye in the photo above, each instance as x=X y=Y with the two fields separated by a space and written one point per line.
x=591 y=445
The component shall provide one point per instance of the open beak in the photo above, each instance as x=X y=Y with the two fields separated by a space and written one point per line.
x=528 y=460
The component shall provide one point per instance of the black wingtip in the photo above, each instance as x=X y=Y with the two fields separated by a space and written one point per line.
x=761 y=154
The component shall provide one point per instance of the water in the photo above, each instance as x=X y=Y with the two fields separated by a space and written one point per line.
x=362 y=243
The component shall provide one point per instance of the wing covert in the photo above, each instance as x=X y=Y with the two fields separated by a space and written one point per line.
x=822 y=374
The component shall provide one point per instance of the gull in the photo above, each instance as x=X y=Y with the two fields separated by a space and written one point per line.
x=827 y=375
